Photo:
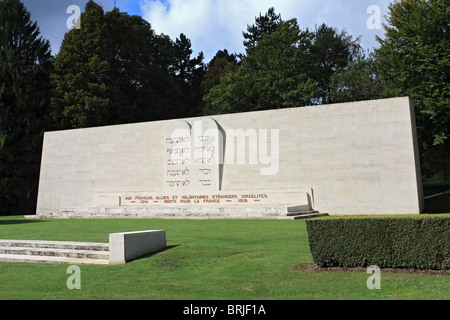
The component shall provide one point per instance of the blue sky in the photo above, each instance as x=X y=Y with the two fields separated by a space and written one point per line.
x=214 y=25
x=132 y=7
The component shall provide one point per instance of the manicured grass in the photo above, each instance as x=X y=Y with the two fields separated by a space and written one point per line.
x=206 y=260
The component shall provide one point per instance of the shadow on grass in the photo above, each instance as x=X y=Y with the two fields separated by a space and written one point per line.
x=439 y=203
x=157 y=252
x=18 y=221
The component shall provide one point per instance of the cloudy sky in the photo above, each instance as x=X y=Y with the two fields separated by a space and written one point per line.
x=214 y=25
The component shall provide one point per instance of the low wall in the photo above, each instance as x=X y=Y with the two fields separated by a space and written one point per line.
x=127 y=246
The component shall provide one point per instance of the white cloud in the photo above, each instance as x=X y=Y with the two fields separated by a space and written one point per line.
x=218 y=24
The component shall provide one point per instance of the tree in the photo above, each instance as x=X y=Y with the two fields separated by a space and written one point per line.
x=140 y=60
x=189 y=73
x=82 y=91
x=285 y=66
x=415 y=60
x=25 y=65
x=263 y=25
x=221 y=64
x=235 y=93
x=331 y=52
x=273 y=75
x=279 y=65
x=359 y=81
x=114 y=70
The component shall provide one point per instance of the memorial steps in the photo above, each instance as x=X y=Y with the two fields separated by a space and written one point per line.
x=238 y=212
x=122 y=248
x=304 y=212
x=307 y=214
x=61 y=252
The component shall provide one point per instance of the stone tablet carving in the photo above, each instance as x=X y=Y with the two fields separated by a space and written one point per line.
x=207 y=142
x=178 y=157
x=194 y=156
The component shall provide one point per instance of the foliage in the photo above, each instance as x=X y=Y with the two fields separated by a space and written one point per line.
x=273 y=75
x=189 y=73
x=415 y=58
x=220 y=65
x=331 y=52
x=264 y=25
x=115 y=70
x=419 y=242
x=25 y=65
x=359 y=81
x=284 y=67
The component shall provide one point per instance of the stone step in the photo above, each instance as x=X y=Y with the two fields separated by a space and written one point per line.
x=50 y=252
x=303 y=212
x=94 y=246
x=50 y=259
x=301 y=208
x=54 y=252
x=310 y=215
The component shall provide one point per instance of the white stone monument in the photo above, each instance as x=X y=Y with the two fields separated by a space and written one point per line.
x=343 y=159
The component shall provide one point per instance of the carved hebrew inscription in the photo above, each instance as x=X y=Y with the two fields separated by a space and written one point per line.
x=194 y=156
x=178 y=157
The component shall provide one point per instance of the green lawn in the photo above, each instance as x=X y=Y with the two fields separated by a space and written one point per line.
x=206 y=260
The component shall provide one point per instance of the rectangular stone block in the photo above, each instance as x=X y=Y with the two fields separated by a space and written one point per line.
x=127 y=246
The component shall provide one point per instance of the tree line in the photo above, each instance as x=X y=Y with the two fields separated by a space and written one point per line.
x=115 y=69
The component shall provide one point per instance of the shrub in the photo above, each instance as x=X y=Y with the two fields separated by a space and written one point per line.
x=419 y=242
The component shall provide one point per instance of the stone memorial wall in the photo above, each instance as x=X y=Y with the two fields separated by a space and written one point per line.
x=351 y=158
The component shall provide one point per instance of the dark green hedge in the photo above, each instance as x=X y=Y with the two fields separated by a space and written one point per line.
x=419 y=242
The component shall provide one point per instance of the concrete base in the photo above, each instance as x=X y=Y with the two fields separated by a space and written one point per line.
x=212 y=212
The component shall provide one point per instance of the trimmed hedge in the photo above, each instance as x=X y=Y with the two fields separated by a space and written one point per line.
x=418 y=242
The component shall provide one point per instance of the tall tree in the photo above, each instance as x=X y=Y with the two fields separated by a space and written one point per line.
x=189 y=73
x=25 y=65
x=220 y=65
x=331 y=51
x=263 y=25
x=415 y=59
x=279 y=65
x=285 y=66
x=273 y=75
x=114 y=70
x=82 y=92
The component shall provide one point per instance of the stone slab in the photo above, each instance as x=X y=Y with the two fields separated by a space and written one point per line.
x=48 y=259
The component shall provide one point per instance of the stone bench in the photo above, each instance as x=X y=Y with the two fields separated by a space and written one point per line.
x=127 y=246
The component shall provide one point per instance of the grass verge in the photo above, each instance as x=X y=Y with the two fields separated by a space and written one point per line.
x=207 y=260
